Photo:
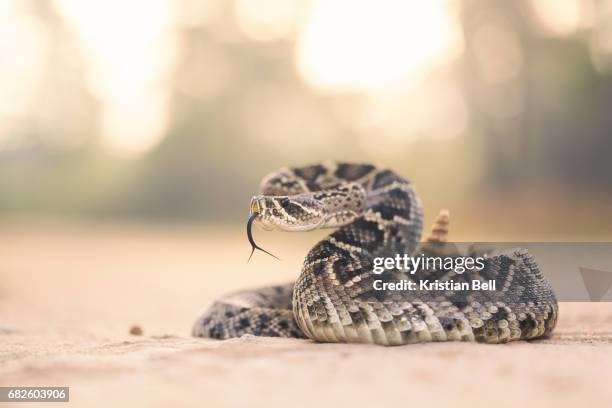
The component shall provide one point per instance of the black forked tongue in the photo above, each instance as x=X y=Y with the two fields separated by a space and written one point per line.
x=254 y=246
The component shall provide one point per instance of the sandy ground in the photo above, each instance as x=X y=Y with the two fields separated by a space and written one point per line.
x=68 y=297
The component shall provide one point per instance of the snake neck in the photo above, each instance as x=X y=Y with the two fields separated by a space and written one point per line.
x=342 y=205
x=340 y=267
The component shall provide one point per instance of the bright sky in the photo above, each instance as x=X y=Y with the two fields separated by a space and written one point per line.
x=370 y=45
x=342 y=45
x=20 y=73
x=130 y=49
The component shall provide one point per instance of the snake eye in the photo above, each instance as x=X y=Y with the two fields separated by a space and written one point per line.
x=284 y=202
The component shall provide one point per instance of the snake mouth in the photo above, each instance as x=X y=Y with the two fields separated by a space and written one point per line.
x=254 y=206
x=258 y=206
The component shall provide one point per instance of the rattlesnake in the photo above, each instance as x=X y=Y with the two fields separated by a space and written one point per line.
x=378 y=214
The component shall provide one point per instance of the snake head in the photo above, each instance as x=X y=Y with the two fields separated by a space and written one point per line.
x=288 y=213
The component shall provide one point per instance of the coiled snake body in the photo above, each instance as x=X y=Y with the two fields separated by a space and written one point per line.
x=377 y=214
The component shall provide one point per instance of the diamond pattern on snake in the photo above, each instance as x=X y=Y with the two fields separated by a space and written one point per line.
x=375 y=213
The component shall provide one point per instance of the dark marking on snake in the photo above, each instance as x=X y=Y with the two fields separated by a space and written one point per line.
x=376 y=212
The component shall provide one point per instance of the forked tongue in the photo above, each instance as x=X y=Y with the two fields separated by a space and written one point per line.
x=254 y=246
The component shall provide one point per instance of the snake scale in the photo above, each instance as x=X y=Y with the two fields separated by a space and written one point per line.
x=377 y=214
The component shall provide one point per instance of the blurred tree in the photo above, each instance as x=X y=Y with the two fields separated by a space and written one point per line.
x=52 y=139
x=536 y=100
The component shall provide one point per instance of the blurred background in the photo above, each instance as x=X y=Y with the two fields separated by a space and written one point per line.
x=154 y=111
x=133 y=134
